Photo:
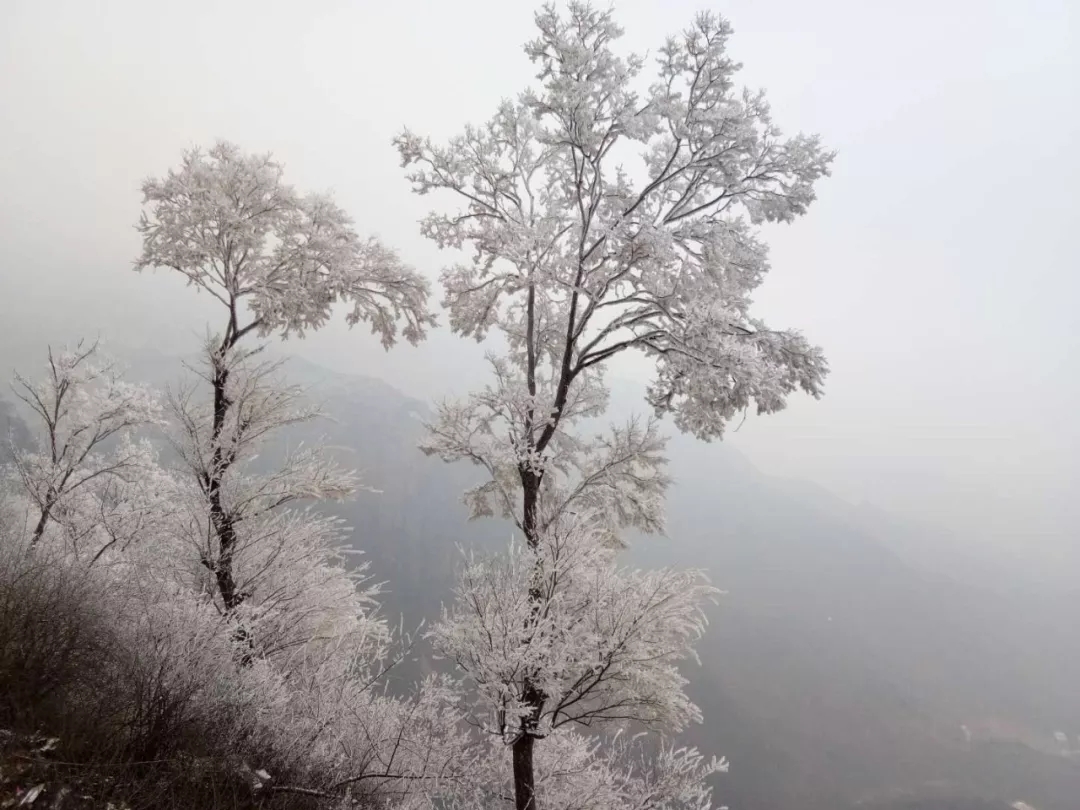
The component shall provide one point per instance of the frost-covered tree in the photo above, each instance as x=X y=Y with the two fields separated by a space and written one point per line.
x=578 y=772
x=268 y=538
x=578 y=256
x=85 y=471
x=130 y=644
x=600 y=642
x=301 y=617
x=309 y=700
x=278 y=262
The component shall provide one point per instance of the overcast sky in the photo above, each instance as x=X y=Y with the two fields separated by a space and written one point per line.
x=938 y=267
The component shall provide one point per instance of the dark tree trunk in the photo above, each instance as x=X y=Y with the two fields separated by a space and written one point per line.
x=524 y=776
x=39 y=529
x=524 y=779
x=223 y=523
x=530 y=484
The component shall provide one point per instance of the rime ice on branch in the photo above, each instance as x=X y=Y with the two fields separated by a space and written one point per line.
x=305 y=624
x=227 y=223
x=576 y=257
x=87 y=472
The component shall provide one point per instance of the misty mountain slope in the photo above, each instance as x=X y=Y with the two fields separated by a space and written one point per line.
x=834 y=669
x=858 y=666
x=413 y=528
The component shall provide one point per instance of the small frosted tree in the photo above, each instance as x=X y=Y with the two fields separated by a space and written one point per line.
x=85 y=471
x=278 y=262
x=580 y=772
x=600 y=642
x=577 y=258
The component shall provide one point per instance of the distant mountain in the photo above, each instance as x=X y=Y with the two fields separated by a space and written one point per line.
x=852 y=669
x=838 y=672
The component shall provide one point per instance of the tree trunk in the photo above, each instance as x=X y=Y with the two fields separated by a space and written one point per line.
x=52 y=495
x=39 y=529
x=524 y=778
x=530 y=484
x=222 y=521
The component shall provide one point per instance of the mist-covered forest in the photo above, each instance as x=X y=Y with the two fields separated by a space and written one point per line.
x=238 y=572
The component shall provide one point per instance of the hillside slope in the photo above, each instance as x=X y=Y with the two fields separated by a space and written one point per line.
x=836 y=673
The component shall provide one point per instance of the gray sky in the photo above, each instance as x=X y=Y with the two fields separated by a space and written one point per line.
x=938 y=267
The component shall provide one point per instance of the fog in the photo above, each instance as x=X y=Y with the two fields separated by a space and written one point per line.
x=938 y=267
